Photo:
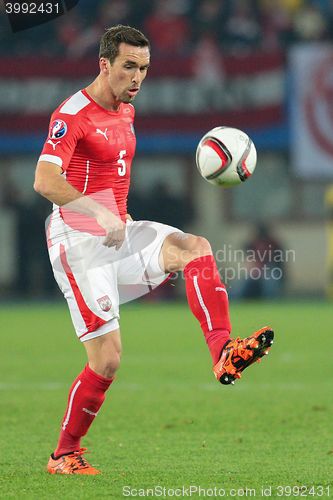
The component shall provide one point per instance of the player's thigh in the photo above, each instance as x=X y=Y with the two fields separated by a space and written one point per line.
x=141 y=264
x=89 y=284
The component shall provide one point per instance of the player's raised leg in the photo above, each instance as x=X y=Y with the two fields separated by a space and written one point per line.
x=206 y=294
x=85 y=399
x=208 y=300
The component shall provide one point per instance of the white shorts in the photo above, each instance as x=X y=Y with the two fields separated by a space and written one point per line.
x=96 y=279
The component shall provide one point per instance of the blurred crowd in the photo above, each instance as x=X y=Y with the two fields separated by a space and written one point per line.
x=180 y=27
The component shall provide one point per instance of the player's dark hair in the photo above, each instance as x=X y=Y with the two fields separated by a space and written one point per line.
x=113 y=37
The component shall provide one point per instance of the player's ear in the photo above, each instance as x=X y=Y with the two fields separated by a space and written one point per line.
x=103 y=64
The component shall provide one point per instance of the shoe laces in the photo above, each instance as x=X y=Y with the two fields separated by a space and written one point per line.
x=77 y=460
x=240 y=348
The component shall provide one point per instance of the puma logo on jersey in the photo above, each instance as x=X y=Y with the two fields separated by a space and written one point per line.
x=220 y=289
x=53 y=144
x=99 y=131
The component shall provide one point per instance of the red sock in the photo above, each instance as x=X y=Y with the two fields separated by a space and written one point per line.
x=85 y=398
x=208 y=301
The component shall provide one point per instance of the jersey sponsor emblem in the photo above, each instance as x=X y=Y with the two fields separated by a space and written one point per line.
x=99 y=131
x=53 y=144
x=58 y=129
x=105 y=303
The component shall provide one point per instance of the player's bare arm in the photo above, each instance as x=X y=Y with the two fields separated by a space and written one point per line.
x=50 y=184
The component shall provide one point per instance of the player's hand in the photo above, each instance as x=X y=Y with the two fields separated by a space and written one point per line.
x=114 y=229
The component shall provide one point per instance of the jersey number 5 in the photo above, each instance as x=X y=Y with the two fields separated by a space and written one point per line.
x=122 y=163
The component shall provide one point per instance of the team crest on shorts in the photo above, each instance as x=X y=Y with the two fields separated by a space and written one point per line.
x=105 y=303
x=58 y=129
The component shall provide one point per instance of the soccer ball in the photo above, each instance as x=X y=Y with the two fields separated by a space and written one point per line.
x=226 y=156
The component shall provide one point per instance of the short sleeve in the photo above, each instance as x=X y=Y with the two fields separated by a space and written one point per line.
x=64 y=133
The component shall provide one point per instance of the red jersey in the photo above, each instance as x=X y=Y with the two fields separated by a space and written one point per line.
x=95 y=148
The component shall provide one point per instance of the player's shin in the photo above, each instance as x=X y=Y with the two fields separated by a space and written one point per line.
x=86 y=396
x=208 y=301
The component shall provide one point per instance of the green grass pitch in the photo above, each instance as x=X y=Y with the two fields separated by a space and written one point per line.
x=166 y=421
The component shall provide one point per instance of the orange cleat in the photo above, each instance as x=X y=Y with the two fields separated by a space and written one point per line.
x=73 y=463
x=238 y=354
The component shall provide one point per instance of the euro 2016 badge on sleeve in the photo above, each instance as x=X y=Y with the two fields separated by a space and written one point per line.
x=58 y=129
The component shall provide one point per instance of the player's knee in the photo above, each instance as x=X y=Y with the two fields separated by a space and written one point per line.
x=197 y=247
x=111 y=365
x=201 y=246
x=107 y=365
x=183 y=249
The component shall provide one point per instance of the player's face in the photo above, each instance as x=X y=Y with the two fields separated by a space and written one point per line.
x=128 y=71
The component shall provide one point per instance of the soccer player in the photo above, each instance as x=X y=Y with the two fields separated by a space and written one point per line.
x=97 y=251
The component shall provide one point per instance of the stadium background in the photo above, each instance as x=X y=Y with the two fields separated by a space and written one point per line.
x=214 y=63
